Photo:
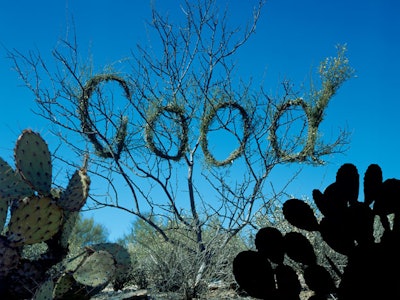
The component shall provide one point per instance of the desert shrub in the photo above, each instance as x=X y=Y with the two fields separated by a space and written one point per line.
x=173 y=266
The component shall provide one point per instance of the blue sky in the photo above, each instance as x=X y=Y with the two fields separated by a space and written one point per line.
x=292 y=37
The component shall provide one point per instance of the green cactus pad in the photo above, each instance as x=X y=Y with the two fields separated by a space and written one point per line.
x=35 y=220
x=33 y=161
x=45 y=291
x=75 y=260
x=63 y=286
x=9 y=257
x=69 y=218
x=121 y=257
x=12 y=186
x=68 y=288
x=74 y=197
x=97 y=270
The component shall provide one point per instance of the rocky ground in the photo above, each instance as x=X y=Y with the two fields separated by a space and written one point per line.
x=133 y=294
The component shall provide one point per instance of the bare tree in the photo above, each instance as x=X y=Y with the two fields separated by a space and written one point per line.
x=161 y=148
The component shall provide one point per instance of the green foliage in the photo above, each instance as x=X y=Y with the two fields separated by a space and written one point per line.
x=173 y=266
x=86 y=232
x=86 y=123
x=183 y=135
x=333 y=72
x=205 y=126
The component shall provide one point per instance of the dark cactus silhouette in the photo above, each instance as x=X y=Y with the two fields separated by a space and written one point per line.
x=347 y=226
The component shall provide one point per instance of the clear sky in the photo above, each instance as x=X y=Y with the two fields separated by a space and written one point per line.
x=292 y=37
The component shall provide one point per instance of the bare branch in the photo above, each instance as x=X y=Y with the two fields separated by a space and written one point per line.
x=159 y=147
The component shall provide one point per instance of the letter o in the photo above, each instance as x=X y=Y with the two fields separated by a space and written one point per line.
x=206 y=122
x=86 y=123
x=149 y=132
x=280 y=110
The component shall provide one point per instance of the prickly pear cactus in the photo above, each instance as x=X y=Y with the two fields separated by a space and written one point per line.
x=97 y=270
x=85 y=275
x=33 y=161
x=76 y=193
x=45 y=291
x=64 y=284
x=40 y=214
x=36 y=219
x=122 y=262
x=67 y=288
x=367 y=232
x=69 y=221
x=12 y=186
x=12 y=189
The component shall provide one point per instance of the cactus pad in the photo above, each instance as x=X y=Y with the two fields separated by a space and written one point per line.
x=350 y=227
x=69 y=218
x=32 y=212
x=74 y=197
x=33 y=161
x=73 y=263
x=9 y=257
x=122 y=259
x=97 y=270
x=12 y=186
x=45 y=291
x=254 y=274
x=63 y=285
x=35 y=220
